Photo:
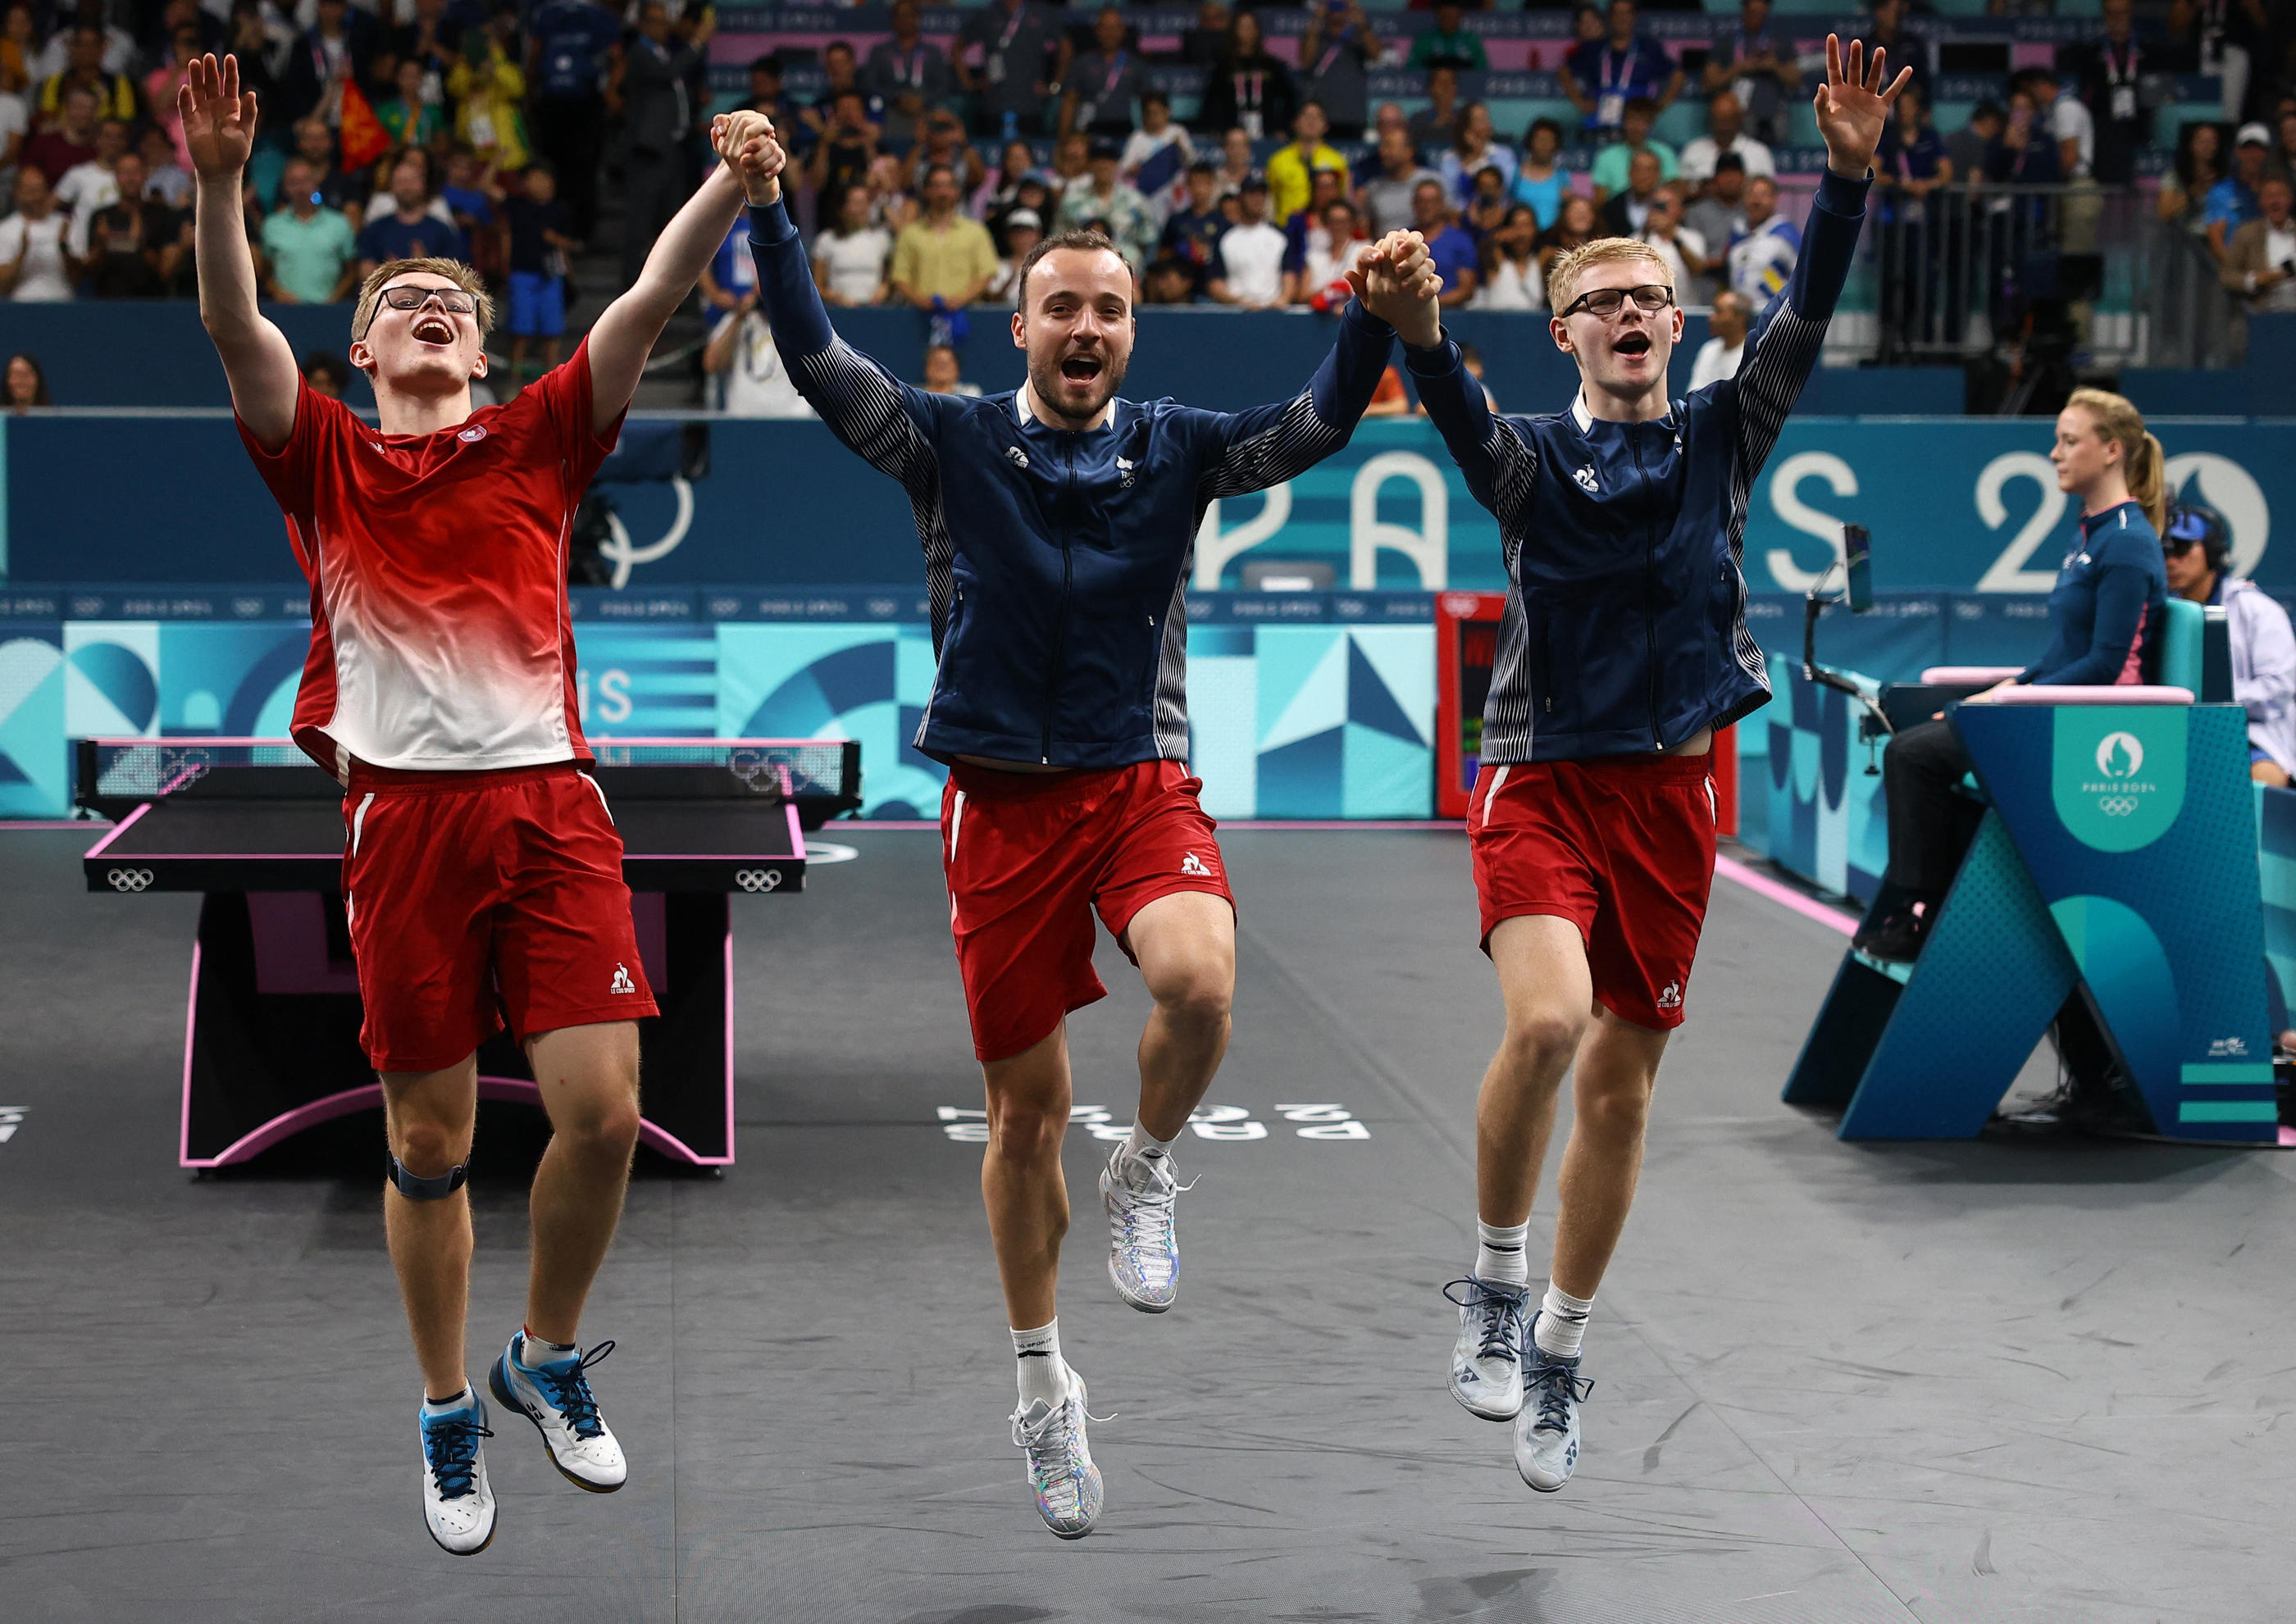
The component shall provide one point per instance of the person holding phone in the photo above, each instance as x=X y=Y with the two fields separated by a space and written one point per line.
x=2260 y=258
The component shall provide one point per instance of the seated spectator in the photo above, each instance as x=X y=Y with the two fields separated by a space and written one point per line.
x=909 y=75
x=1336 y=54
x=847 y=148
x=1384 y=197
x=162 y=85
x=27 y=384
x=408 y=230
x=15 y=123
x=1155 y=158
x=1540 y=180
x=411 y=120
x=1250 y=272
x=61 y=147
x=1248 y=88
x=1612 y=163
x=1763 y=259
x=1725 y=132
x=1718 y=217
x=944 y=375
x=169 y=181
x=541 y=237
x=1024 y=228
x=1323 y=279
x=2235 y=200
x=1576 y=227
x=84 y=69
x=20 y=49
x=2260 y=261
x=1102 y=84
x=1682 y=250
x=1450 y=246
x=327 y=373
x=1487 y=205
x=1760 y=68
x=37 y=262
x=2197 y=552
x=1293 y=167
x=943 y=260
x=315 y=143
x=1103 y=198
x=2105 y=620
x=849 y=258
x=729 y=278
x=1511 y=278
x=755 y=383
x=1389 y=399
x=310 y=253
x=2194 y=172
x=1471 y=360
x=488 y=89
x=1431 y=128
x=1071 y=163
x=1000 y=193
x=1034 y=197
x=942 y=142
x=891 y=204
x=1235 y=168
x=1168 y=281
x=1303 y=233
x=766 y=97
x=135 y=248
x=1473 y=148
x=474 y=204
x=93 y=185
x=1719 y=355
x=1450 y=43
x=840 y=74
x=1016 y=40
x=1628 y=212
x=1601 y=77
x=1192 y=235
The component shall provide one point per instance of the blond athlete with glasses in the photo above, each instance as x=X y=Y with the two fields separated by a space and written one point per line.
x=1623 y=645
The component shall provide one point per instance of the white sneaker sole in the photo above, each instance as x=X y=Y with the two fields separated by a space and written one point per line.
x=1478 y=1411
x=491 y=1529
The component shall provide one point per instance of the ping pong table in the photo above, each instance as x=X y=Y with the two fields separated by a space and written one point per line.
x=271 y=1028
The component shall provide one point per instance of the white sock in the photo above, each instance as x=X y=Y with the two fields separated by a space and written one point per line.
x=1562 y=1322
x=1140 y=1142
x=534 y=1352
x=440 y=1407
x=1499 y=1259
x=1036 y=1357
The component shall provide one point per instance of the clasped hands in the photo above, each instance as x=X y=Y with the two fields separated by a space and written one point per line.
x=1396 y=281
x=745 y=140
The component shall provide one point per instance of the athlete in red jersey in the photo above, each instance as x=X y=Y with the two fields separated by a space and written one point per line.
x=481 y=872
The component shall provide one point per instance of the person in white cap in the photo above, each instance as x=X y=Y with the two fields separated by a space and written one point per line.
x=1024 y=228
x=2234 y=202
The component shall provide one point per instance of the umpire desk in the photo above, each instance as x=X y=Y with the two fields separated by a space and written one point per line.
x=271 y=1033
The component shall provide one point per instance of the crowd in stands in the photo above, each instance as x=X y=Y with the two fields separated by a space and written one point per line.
x=923 y=173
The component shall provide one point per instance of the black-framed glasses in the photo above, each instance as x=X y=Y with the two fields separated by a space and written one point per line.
x=1607 y=302
x=454 y=301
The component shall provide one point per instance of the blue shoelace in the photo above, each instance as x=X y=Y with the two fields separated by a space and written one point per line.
x=451 y=1449
x=567 y=1389
x=1502 y=1332
x=1556 y=1387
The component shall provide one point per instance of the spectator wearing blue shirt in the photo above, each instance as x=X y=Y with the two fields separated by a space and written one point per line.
x=573 y=42
x=1192 y=235
x=1911 y=164
x=1448 y=245
x=2106 y=615
x=1601 y=75
x=1760 y=69
x=409 y=231
x=2232 y=202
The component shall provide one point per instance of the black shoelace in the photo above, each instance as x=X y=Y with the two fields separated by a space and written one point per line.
x=567 y=1389
x=451 y=1449
x=1556 y=1387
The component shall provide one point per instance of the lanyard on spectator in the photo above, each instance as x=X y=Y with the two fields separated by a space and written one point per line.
x=1012 y=25
x=1116 y=65
x=914 y=72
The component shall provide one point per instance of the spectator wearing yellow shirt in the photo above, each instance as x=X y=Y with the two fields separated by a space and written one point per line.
x=942 y=256
x=1291 y=169
x=83 y=69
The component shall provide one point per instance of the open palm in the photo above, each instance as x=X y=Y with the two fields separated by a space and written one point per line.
x=1853 y=106
x=219 y=119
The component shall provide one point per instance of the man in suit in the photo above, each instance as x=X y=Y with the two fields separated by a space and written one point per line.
x=2261 y=260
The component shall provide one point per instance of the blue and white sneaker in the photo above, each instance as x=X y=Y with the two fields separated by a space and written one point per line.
x=458 y=1507
x=557 y=1398
x=1144 y=1248
x=1487 y=1361
x=1546 y=1433
x=1060 y=1472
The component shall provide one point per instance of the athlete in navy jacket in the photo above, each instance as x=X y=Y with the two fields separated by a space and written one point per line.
x=1058 y=522
x=1623 y=645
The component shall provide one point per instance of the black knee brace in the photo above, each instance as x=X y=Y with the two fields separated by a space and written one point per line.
x=415 y=1187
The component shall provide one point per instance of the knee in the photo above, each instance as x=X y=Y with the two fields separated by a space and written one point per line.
x=1539 y=1043
x=1027 y=1133
x=1619 y=1113
x=611 y=1128
x=429 y=1148
x=1199 y=997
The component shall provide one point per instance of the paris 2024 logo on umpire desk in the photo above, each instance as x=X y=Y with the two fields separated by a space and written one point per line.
x=2118 y=772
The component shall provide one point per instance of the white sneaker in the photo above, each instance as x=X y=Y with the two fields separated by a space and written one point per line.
x=1546 y=1433
x=1487 y=1361
x=557 y=1398
x=1144 y=1248
x=458 y=1507
x=1060 y=1472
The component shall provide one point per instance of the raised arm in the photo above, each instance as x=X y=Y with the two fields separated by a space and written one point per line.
x=1249 y=451
x=623 y=334
x=219 y=129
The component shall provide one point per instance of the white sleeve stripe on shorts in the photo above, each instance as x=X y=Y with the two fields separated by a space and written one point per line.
x=955 y=822
x=1491 y=795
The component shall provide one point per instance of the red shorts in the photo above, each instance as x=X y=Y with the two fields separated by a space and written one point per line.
x=1031 y=855
x=1622 y=847
x=474 y=895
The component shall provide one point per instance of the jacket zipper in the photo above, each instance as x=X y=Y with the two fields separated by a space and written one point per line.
x=1650 y=559
x=1060 y=627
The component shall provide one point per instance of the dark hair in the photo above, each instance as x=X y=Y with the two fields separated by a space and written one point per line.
x=1537 y=125
x=770 y=62
x=39 y=377
x=1645 y=106
x=1729 y=160
x=542 y=164
x=1084 y=241
x=2186 y=161
x=1204 y=166
x=327 y=361
x=845 y=45
x=1990 y=108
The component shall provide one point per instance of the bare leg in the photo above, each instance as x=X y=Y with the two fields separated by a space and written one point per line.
x=428 y=1117
x=1617 y=1063
x=1541 y=962
x=1186 y=943
x=1020 y=1179
x=589 y=1079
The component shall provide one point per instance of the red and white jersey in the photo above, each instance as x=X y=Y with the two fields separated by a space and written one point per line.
x=440 y=635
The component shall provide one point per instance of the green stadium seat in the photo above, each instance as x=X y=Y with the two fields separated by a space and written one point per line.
x=1683 y=122
x=2180 y=646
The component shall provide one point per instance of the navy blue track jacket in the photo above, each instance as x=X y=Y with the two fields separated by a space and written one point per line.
x=1625 y=627
x=1057 y=562
x=2109 y=606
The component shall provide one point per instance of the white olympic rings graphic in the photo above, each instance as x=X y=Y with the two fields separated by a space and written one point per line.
x=2116 y=806
x=758 y=879
x=130 y=879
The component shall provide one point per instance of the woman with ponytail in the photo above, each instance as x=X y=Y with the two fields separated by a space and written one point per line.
x=2106 y=615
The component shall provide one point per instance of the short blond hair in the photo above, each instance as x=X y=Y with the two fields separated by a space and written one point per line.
x=1563 y=279
x=454 y=270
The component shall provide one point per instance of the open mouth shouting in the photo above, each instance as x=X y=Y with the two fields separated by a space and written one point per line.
x=434 y=330
x=1633 y=344
x=1081 y=369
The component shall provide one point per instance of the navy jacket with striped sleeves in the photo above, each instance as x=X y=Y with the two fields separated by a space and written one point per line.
x=1057 y=562
x=1625 y=627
